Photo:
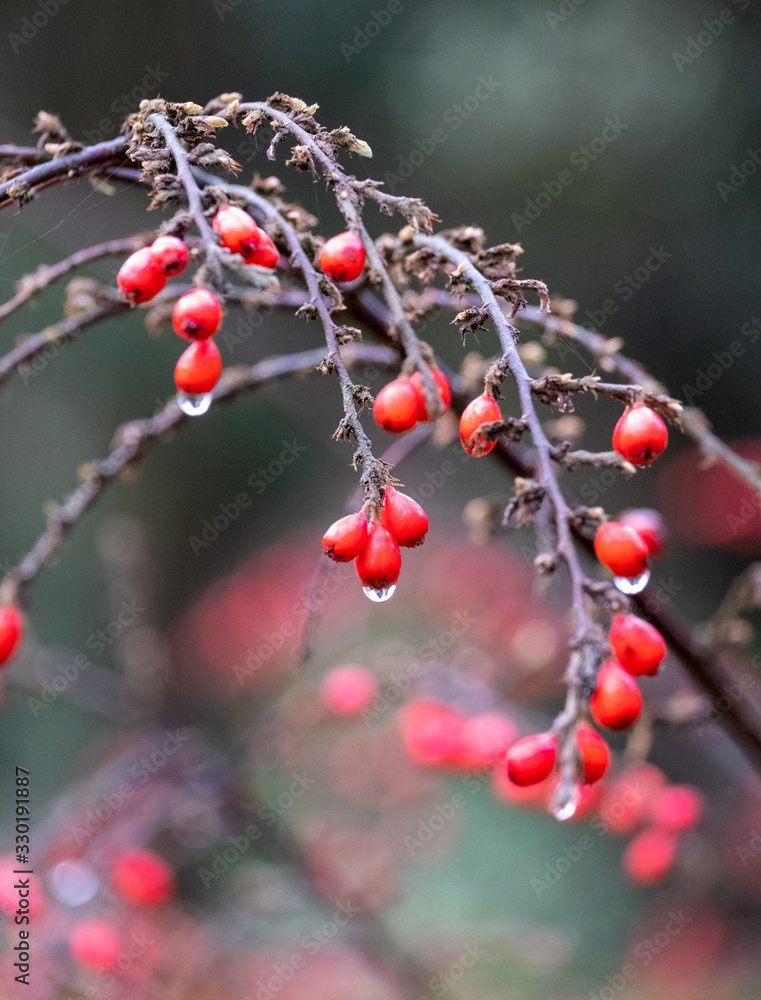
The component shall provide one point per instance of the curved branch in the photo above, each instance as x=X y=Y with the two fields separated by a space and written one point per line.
x=23 y=185
x=135 y=439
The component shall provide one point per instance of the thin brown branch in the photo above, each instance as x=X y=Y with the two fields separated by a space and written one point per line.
x=23 y=186
x=135 y=439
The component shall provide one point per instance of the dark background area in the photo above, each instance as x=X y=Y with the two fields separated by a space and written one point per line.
x=557 y=75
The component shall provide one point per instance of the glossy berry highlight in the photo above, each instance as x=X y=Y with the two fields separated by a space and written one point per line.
x=345 y=538
x=197 y=314
x=396 y=406
x=640 y=435
x=531 y=759
x=637 y=646
x=170 y=254
x=11 y=632
x=348 y=690
x=199 y=368
x=379 y=563
x=140 y=277
x=617 y=701
x=481 y=410
x=143 y=879
x=404 y=518
x=342 y=257
x=620 y=549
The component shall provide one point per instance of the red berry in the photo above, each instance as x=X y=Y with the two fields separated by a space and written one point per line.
x=143 y=879
x=396 y=406
x=649 y=526
x=595 y=754
x=259 y=249
x=637 y=646
x=620 y=549
x=235 y=228
x=197 y=314
x=140 y=277
x=199 y=368
x=404 y=518
x=531 y=759
x=676 y=807
x=650 y=857
x=345 y=539
x=481 y=410
x=617 y=701
x=640 y=435
x=628 y=797
x=170 y=254
x=431 y=733
x=347 y=690
x=485 y=738
x=379 y=563
x=95 y=945
x=342 y=258
x=445 y=393
x=527 y=797
x=11 y=632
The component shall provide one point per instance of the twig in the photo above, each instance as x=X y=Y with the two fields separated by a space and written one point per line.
x=22 y=187
x=210 y=248
x=32 y=284
x=134 y=439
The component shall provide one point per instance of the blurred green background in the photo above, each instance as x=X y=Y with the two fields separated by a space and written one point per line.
x=684 y=114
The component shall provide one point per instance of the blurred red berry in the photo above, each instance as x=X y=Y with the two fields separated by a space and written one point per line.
x=531 y=759
x=485 y=739
x=445 y=393
x=197 y=314
x=140 y=277
x=170 y=254
x=637 y=646
x=143 y=879
x=595 y=754
x=628 y=797
x=379 y=563
x=95 y=945
x=617 y=701
x=396 y=406
x=481 y=410
x=347 y=690
x=676 y=807
x=650 y=857
x=199 y=368
x=404 y=518
x=620 y=549
x=342 y=257
x=345 y=538
x=640 y=435
x=650 y=527
x=11 y=632
x=432 y=733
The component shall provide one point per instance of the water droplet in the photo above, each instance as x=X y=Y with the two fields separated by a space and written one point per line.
x=564 y=802
x=194 y=406
x=73 y=883
x=633 y=584
x=379 y=596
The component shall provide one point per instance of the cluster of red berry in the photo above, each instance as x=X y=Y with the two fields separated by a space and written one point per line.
x=401 y=405
x=140 y=878
x=637 y=801
x=374 y=546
